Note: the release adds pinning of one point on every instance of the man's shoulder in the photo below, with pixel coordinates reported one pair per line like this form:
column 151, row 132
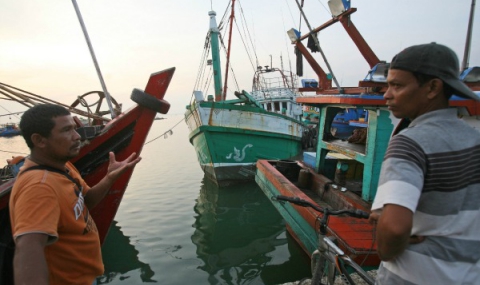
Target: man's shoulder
column 32, row 175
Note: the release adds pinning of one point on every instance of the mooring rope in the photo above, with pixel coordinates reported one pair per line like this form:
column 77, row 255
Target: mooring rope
column 167, row 133
column 7, row 151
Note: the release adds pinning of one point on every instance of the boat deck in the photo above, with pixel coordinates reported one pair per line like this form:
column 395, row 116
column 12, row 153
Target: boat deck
column 355, row 236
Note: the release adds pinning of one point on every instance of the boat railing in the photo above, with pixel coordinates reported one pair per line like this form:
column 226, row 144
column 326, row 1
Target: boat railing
column 274, row 93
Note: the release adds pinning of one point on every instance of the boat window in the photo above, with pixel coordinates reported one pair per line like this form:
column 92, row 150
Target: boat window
column 276, row 106
column 343, row 122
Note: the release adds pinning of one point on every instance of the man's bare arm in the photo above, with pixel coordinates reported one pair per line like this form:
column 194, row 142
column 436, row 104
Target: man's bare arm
column 30, row 266
column 394, row 227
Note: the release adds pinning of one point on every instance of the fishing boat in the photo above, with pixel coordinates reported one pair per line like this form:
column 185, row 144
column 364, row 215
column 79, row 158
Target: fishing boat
column 9, row 130
column 343, row 173
column 229, row 136
column 123, row 133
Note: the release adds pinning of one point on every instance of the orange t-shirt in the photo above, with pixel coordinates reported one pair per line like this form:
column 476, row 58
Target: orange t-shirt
column 48, row 202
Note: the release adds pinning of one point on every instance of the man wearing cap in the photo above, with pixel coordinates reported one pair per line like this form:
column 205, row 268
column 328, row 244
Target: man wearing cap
column 427, row 206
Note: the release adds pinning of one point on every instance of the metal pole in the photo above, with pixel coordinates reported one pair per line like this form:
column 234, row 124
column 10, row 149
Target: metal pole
column 92, row 53
column 318, row 45
column 466, row 53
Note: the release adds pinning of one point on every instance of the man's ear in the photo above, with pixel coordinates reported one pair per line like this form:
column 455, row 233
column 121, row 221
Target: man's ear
column 38, row 140
column 435, row 88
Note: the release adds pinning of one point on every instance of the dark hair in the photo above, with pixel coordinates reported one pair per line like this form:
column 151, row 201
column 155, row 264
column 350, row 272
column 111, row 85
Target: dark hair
column 424, row 78
column 39, row 120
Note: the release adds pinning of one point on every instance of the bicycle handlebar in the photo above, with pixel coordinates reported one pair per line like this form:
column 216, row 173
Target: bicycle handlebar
column 350, row 212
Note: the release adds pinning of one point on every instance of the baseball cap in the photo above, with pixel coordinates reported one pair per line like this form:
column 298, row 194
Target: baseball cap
column 435, row 60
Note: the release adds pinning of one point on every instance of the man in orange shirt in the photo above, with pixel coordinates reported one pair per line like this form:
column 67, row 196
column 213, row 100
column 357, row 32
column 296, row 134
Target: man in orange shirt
column 56, row 239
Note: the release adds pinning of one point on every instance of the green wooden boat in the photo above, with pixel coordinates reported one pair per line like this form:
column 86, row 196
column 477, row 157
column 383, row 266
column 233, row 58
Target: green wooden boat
column 229, row 136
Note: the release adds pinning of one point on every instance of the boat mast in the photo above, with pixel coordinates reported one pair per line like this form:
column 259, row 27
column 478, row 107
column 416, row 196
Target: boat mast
column 217, row 71
column 232, row 16
column 92, row 53
column 466, row 53
column 315, row 39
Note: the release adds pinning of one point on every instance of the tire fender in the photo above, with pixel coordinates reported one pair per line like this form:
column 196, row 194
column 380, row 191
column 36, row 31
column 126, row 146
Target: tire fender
column 145, row 100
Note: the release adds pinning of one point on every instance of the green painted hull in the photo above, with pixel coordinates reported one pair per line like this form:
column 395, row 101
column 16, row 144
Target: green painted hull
column 227, row 153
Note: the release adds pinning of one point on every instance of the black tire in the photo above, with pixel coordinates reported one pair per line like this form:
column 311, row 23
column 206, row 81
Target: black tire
column 145, row 100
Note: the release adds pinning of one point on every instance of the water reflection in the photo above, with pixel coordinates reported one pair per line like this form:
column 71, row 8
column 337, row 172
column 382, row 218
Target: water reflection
column 120, row 257
column 236, row 230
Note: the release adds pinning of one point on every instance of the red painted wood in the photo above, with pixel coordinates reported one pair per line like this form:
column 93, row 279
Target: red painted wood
column 354, row 236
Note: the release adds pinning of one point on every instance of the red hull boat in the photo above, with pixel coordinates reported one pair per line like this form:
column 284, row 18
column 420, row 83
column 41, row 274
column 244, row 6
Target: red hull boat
column 123, row 135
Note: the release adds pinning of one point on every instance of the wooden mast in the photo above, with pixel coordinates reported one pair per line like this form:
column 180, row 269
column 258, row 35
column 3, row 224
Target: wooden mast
column 232, row 16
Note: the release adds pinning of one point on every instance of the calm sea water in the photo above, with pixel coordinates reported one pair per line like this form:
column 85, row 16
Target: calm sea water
column 175, row 227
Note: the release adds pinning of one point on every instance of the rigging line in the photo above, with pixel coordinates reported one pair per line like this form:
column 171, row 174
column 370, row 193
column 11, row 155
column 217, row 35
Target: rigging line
column 7, row 88
column 206, row 77
column 15, row 113
column 202, row 62
column 234, row 77
column 209, row 76
column 231, row 64
column 286, row 45
column 247, row 34
column 165, row 134
column 11, row 113
column 7, row 151
column 200, row 73
column 294, row 79
column 314, row 36
column 246, row 49
column 290, row 10
column 208, row 82
column 324, row 7
column 222, row 44
column 220, row 25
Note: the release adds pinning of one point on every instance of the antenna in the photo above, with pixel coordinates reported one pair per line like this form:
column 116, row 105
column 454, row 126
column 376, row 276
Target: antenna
column 466, row 53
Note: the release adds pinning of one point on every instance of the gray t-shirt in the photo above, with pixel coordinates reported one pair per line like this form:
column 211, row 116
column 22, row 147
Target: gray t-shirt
column 433, row 169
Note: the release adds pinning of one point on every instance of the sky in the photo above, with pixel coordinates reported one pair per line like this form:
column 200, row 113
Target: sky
column 43, row 50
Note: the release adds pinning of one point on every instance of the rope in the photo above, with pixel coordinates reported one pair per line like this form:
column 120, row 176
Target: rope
column 246, row 47
column 325, row 7
column 202, row 66
column 222, row 44
column 165, row 134
column 7, row 151
column 248, row 36
column 290, row 10
column 15, row 114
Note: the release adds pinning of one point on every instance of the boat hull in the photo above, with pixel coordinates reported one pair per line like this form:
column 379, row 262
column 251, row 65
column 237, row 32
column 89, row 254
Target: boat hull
column 229, row 140
column 354, row 236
